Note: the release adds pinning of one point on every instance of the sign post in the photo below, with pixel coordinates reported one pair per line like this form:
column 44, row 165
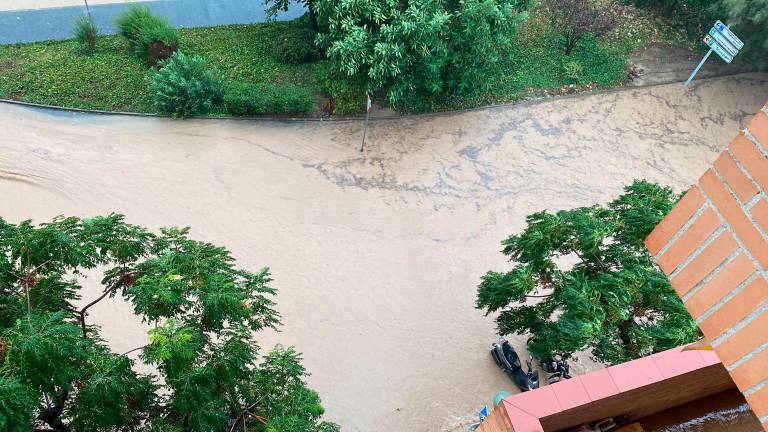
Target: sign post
column 723, row 42
column 701, row 63
column 365, row 128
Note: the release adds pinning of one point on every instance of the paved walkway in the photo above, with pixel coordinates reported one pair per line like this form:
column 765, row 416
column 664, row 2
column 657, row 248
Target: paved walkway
column 377, row 255
column 38, row 20
column 8, row 5
column 659, row 64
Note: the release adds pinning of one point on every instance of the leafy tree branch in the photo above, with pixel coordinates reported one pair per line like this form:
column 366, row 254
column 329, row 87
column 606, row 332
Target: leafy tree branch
column 599, row 289
column 58, row 374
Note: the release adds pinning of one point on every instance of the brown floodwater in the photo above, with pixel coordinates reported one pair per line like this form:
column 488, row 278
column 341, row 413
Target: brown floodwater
column 376, row 255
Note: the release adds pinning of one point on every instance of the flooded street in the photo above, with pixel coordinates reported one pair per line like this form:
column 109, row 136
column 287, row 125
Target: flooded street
column 376, row 255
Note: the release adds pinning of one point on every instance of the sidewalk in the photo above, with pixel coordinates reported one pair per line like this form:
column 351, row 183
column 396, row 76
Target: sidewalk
column 39, row 20
column 9, row 5
column 661, row 65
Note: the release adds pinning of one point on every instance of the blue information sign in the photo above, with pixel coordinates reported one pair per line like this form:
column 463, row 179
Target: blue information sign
column 722, row 41
column 483, row 413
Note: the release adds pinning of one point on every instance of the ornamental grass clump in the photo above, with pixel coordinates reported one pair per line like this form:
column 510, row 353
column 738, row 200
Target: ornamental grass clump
column 85, row 33
column 184, row 86
column 150, row 36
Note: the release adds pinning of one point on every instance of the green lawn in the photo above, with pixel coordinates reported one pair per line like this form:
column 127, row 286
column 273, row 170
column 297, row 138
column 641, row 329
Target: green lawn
column 56, row 73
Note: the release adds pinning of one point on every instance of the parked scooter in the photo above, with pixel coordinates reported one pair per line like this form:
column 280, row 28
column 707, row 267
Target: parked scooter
column 556, row 368
column 507, row 359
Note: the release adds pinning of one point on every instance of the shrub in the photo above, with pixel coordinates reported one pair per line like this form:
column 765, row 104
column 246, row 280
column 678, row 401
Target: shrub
column 184, row 86
column 296, row 46
column 420, row 52
column 85, row 33
column 573, row 71
column 244, row 99
column 150, row 36
column 573, row 19
column 348, row 93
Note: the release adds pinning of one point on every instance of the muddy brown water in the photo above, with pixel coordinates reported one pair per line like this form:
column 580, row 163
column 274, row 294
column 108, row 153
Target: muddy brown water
column 377, row 255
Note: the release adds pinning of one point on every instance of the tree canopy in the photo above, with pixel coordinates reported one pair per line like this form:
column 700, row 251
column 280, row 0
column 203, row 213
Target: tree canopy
column 274, row 7
column 582, row 279
column 419, row 51
column 58, row 374
column 749, row 19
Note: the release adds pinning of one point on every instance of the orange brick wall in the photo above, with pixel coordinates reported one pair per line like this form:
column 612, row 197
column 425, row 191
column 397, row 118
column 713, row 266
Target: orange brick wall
column 713, row 246
column 497, row 421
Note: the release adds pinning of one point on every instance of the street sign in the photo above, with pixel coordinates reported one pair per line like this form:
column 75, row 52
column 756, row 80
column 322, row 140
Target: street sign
column 732, row 38
column 723, row 42
column 483, row 413
column 718, row 49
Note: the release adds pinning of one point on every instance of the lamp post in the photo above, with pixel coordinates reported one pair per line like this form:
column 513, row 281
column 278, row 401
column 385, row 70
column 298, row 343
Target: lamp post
column 367, row 112
column 88, row 10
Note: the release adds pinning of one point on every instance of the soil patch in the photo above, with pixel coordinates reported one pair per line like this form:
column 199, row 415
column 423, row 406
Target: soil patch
column 16, row 96
column 6, row 65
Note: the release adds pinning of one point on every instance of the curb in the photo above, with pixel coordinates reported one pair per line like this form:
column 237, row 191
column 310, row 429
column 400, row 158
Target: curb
column 521, row 103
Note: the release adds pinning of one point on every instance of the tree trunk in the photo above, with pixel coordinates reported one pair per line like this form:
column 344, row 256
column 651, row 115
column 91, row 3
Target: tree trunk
column 570, row 43
column 312, row 16
column 626, row 339
column 668, row 9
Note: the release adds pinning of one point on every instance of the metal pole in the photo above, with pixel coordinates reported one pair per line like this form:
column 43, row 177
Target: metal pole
column 88, row 10
column 365, row 128
column 701, row 63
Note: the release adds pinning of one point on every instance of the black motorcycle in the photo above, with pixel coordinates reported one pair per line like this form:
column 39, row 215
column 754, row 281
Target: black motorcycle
column 507, row 359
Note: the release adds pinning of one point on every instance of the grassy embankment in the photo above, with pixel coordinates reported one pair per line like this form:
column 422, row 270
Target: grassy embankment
column 57, row 73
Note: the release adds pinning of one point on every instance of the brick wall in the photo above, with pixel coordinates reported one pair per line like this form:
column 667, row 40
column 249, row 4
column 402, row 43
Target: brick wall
column 497, row 421
column 713, row 246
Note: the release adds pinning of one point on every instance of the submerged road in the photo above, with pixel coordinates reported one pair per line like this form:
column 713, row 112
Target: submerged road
column 376, row 256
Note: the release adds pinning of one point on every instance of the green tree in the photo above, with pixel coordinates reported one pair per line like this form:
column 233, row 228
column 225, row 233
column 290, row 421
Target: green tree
column 582, row 279
column 58, row 374
column 277, row 6
column 749, row 19
column 419, row 51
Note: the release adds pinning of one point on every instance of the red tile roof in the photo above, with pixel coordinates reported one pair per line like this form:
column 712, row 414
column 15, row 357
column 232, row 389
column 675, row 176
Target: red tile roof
column 530, row 411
